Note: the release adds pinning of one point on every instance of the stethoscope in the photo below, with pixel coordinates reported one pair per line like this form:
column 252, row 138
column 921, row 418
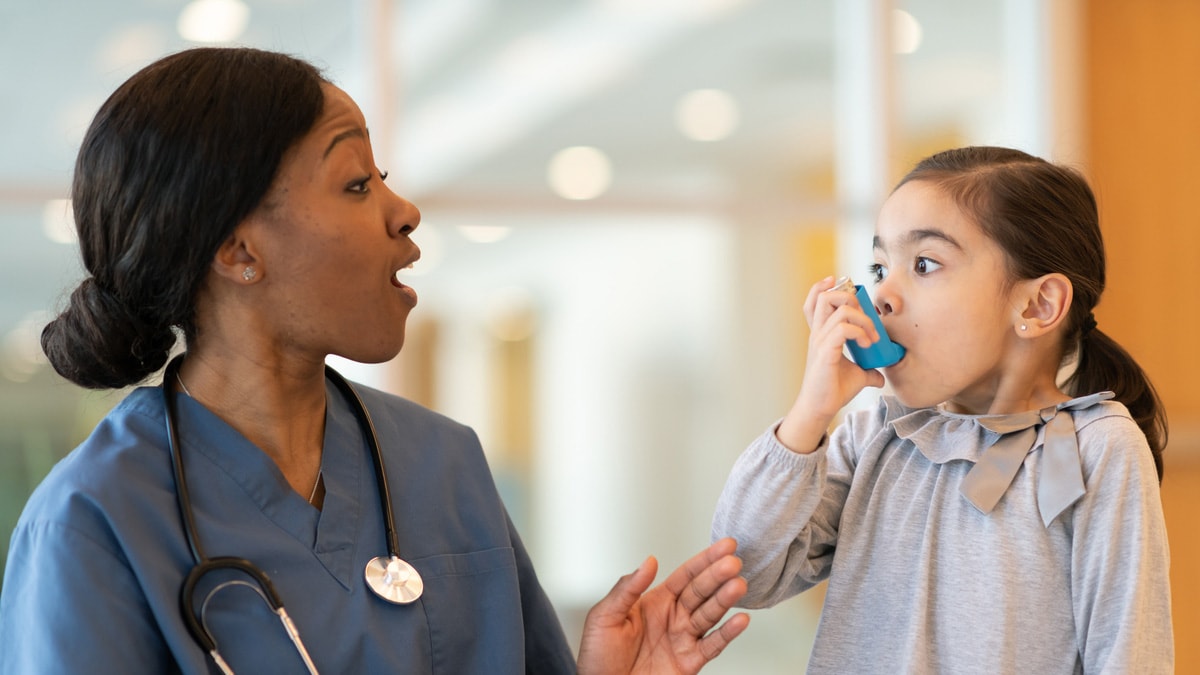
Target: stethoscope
column 391, row 578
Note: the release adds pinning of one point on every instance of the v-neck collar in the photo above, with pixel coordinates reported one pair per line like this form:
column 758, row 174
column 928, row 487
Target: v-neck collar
column 330, row 532
column 344, row 462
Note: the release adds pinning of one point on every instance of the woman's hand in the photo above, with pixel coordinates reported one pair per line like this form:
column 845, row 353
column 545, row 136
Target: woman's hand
column 830, row 378
column 667, row 629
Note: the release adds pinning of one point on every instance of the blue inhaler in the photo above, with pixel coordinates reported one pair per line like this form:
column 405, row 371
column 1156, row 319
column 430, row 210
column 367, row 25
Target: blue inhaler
column 881, row 354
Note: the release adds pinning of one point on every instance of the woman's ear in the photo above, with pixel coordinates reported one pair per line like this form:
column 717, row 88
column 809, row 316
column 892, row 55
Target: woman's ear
column 1046, row 302
column 237, row 260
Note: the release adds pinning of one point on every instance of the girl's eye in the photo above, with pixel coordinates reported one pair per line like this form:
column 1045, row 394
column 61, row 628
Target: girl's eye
column 383, row 174
column 926, row 265
column 878, row 272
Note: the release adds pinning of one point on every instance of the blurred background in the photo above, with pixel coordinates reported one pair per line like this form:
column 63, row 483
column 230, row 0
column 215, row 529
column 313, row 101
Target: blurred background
column 624, row 204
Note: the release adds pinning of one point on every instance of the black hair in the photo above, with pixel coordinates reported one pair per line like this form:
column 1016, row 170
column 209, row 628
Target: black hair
column 174, row 160
column 1044, row 216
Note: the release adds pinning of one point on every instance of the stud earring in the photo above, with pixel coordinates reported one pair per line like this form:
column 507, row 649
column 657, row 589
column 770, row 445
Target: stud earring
column 249, row 273
column 1023, row 326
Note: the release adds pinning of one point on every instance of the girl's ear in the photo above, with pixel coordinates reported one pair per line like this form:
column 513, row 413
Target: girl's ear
column 236, row 259
column 1046, row 301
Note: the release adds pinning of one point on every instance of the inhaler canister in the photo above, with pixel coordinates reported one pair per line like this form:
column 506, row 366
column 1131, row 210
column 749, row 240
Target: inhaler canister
column 880, row 354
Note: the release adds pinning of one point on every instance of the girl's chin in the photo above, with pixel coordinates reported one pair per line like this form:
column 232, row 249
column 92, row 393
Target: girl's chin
column 909, row 398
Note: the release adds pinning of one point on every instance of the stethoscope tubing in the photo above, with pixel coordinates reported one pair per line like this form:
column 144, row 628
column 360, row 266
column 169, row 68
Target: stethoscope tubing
column 204, row 564
column 368, row 429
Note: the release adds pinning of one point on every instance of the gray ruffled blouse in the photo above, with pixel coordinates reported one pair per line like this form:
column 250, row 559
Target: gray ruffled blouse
column 1026, row 543
column 998, row 446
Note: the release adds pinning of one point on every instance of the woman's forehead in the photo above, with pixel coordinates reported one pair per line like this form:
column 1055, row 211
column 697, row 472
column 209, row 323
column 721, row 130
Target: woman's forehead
column 340, row 120
column 338, row 110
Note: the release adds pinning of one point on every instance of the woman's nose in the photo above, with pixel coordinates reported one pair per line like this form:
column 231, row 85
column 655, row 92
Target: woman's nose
column 403, row 217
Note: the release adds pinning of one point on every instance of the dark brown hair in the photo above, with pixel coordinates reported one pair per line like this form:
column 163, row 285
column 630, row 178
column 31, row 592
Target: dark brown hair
column 1045, row 218
column 179, row 155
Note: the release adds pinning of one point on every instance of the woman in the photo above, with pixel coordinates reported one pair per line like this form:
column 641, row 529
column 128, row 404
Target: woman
column 232, row 194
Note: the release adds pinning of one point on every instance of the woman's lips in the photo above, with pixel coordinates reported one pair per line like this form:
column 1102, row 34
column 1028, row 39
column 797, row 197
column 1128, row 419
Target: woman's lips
column 407, row 291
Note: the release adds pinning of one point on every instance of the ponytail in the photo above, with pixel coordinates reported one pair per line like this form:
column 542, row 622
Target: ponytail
column 1104, row 365
column 1045, row 218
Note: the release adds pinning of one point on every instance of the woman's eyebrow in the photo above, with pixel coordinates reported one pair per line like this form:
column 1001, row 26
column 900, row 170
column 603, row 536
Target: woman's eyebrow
column 349, row 133
column 919, row 235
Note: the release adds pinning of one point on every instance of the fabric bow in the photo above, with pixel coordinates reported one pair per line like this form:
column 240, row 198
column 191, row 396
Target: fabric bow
column 1061, row 481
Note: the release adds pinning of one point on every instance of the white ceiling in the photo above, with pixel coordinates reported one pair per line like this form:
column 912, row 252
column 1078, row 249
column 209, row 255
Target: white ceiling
column 484, row 92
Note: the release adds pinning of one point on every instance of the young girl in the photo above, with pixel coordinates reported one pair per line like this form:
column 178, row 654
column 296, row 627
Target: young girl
column 985, row 517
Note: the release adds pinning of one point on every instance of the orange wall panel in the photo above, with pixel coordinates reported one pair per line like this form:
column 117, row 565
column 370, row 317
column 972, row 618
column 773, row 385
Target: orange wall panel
column 1143, row 103
column 1142, row 77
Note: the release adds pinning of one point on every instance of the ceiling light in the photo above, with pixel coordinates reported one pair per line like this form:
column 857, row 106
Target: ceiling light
column 213, row 20
column 484, row 234
column 707, row 115
column 906, row 32
column 58, row 224
column 535, row 78
column 579, row 172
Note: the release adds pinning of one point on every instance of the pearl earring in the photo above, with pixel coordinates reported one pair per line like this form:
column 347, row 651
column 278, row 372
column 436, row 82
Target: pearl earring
column 1023, row 326
column 249, row 273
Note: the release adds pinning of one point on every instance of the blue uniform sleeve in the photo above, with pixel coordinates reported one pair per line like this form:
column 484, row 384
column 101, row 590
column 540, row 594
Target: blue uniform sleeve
column 71, row 605
column 546, row 647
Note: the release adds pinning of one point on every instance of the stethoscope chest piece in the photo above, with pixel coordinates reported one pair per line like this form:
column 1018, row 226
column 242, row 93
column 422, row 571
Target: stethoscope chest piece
column 394, row 580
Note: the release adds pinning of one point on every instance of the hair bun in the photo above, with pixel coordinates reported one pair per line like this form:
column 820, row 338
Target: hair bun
column 99, row 342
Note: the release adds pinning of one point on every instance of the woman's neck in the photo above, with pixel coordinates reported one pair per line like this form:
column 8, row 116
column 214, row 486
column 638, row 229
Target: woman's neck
column 275, row 402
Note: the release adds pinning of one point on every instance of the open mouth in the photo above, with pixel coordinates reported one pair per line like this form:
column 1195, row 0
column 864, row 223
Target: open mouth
column 408, row 291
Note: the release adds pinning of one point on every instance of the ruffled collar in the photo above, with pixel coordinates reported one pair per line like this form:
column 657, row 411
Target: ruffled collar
column 997, row 445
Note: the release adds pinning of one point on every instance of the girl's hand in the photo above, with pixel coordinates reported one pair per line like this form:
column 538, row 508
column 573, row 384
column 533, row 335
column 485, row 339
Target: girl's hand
column 830, row 378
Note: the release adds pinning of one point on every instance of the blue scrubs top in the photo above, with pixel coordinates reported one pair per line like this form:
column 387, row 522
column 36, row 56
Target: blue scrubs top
column 99, row 555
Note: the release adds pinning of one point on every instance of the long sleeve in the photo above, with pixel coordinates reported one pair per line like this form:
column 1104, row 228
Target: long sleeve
column 783, row 508
column 1119, row 558
column 919, row 566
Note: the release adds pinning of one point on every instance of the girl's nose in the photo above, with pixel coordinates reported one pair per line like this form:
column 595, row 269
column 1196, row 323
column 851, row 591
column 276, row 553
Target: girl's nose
column 886, row 300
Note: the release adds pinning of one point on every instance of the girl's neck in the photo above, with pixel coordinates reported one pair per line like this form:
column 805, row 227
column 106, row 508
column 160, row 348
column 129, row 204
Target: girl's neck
column 1025, row 379
column 1007, row 401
